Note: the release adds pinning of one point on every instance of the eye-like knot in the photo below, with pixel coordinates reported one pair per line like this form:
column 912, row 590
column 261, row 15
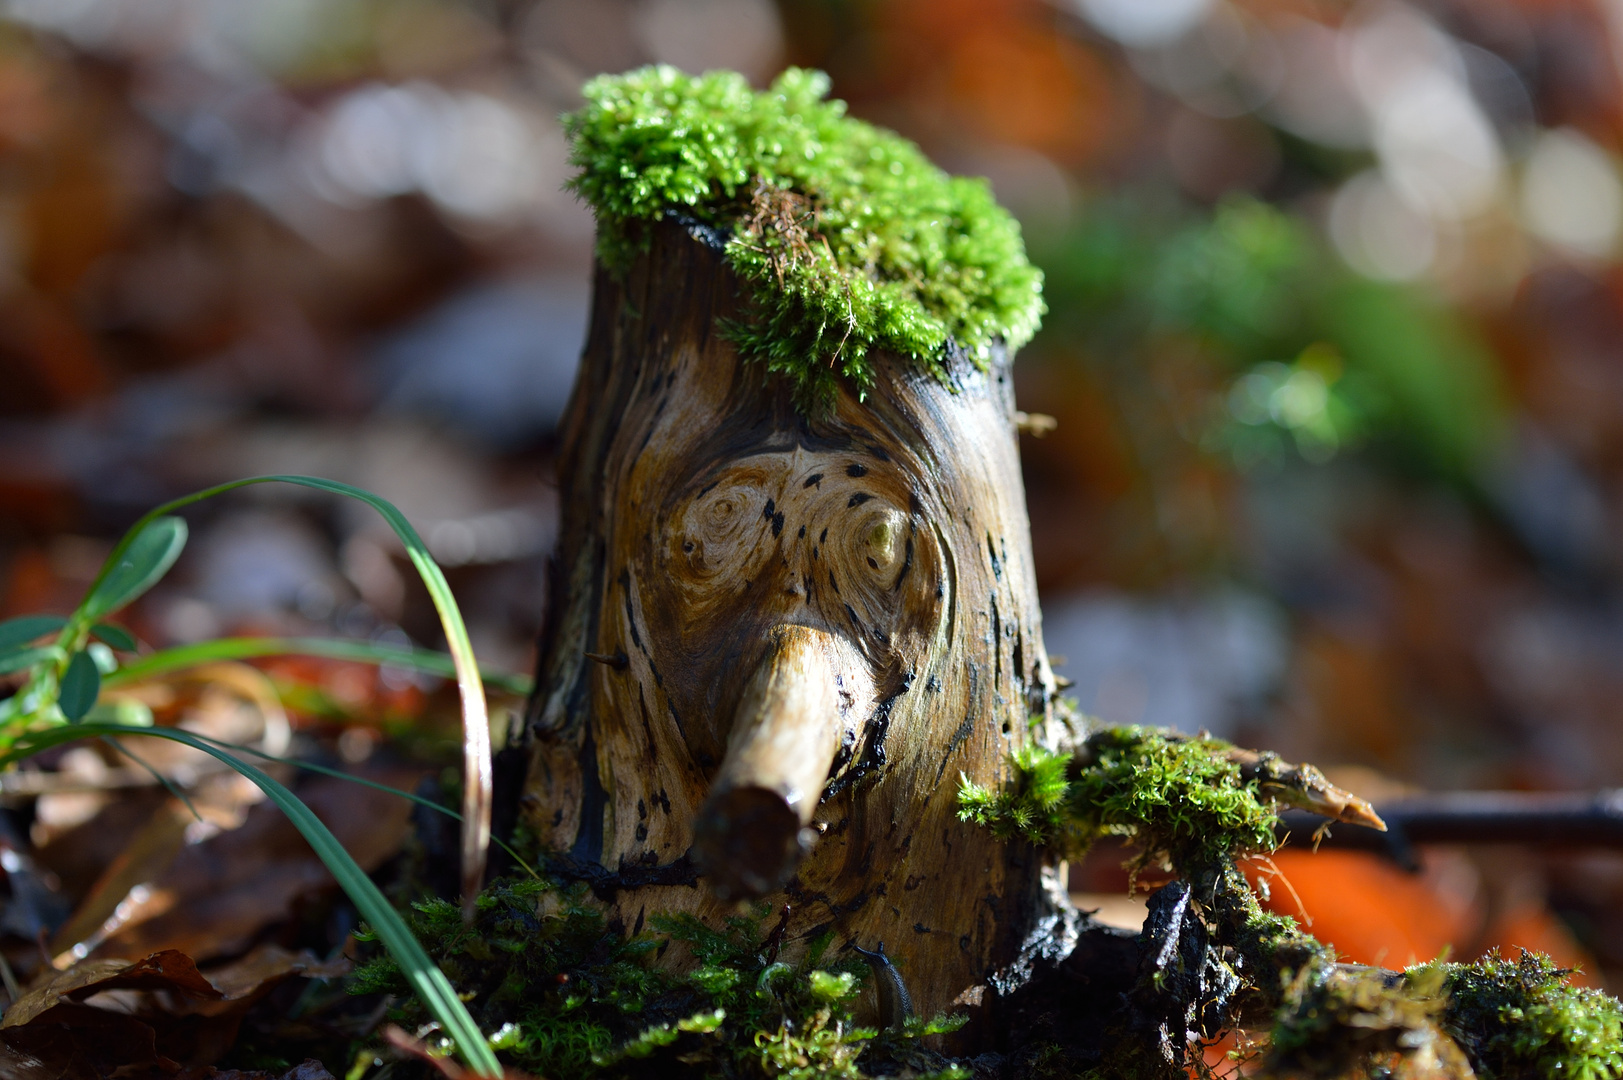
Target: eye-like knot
column 721, row 530
column 881, row 539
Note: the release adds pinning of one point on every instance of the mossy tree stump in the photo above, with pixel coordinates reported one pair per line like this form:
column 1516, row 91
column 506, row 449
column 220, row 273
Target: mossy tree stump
column 790, row 608
column 793, row 602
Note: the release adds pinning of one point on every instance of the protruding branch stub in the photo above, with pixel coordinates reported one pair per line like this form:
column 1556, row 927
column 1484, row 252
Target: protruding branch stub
column 753, row 829
column 1305, row 788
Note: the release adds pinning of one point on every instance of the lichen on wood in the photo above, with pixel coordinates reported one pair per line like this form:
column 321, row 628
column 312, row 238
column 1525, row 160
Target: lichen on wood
column 846, row 238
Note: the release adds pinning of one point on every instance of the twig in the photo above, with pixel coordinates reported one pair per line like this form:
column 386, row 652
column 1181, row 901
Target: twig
column 1545, row 819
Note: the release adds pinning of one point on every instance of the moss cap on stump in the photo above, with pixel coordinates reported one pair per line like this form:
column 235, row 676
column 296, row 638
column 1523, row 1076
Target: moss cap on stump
column 846, row 237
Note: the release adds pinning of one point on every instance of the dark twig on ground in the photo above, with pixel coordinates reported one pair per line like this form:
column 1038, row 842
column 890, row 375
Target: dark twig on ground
column 1544, row 819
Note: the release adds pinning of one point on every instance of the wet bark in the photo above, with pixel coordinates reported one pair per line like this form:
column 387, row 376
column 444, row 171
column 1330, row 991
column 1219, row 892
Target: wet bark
column 776, row 641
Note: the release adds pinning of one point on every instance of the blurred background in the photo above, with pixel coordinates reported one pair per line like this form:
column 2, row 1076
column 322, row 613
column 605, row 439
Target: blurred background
column 1334, row 343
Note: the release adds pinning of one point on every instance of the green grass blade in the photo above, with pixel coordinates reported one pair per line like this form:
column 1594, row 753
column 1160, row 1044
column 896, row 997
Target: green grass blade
column 159, row 778
column 477, row 780
column 250, row 648
column 426, row 979
column 339, row 774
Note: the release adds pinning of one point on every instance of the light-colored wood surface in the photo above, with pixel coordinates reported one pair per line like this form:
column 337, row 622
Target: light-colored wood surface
column 707, row 523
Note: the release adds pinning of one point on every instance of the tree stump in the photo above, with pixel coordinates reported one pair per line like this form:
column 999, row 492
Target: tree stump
column 776, row 639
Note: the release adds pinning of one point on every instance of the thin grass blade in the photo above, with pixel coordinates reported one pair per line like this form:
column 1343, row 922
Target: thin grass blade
column 477, row 776
column 427, row 661
column 426, row 979
column 339, row 774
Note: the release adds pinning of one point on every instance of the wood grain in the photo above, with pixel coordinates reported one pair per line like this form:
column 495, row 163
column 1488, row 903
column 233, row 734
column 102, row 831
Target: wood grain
column 705, row 524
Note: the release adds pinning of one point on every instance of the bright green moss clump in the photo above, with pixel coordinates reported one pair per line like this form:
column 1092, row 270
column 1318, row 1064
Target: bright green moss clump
column 1180, row 799
column 1521, row 1019
column 847, row 238
column 1034, row 805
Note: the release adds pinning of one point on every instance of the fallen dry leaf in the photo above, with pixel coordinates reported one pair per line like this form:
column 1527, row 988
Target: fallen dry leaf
column 213, row 898
column 115, row 1018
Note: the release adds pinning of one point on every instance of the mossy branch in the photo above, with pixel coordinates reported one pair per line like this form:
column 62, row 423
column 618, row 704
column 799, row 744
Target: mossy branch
column 1213, row 959
column 1188, row 801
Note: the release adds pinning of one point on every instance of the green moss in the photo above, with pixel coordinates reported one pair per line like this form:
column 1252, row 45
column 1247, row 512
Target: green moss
column 1521, row 1019
column 1034, row 805
column 1179, row 798
column 574, row 996
column 846, row 237
column 564, row 993
column 1361, row 1022
column 1494, row 1019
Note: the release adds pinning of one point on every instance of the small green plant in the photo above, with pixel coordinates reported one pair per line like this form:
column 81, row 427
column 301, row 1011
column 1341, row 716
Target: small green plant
column 846, row 237
column 61, row 701
column 581, row 997
column 1033, row 805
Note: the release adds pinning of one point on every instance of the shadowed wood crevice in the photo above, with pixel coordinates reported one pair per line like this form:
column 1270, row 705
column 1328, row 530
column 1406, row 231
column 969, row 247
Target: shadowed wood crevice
column 822, row 621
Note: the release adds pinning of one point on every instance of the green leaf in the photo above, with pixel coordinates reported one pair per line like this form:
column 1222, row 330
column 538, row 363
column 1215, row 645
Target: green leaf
column 116, row 636
column 425, row 977
column 20, row 631
column 477, row 782
column 81, row 685
column 135, row 566
column 27, row 658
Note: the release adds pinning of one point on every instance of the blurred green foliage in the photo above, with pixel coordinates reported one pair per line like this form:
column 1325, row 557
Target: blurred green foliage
column 1304, row 356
